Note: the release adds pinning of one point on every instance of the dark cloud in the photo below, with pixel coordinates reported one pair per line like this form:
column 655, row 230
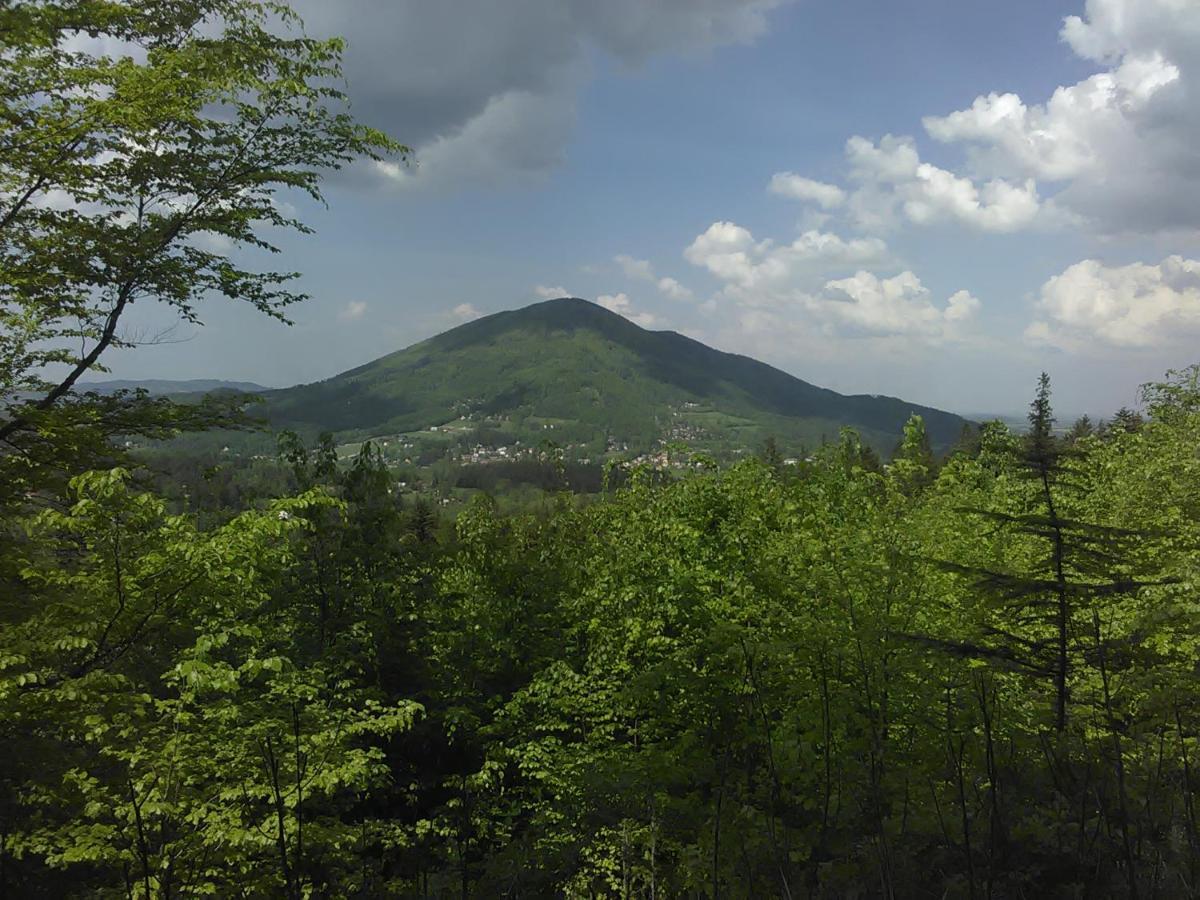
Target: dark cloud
column 483, row 90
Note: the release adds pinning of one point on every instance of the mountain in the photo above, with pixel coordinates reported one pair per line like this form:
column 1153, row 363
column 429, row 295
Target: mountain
column 169, row 386
column 572, row 371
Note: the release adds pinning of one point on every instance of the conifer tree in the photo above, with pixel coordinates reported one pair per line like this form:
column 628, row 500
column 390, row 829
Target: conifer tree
column 1038, row 613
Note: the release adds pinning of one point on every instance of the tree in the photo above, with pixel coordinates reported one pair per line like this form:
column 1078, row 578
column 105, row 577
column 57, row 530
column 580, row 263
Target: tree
column 1039, row 601
column 771, row 454
column 145, row 148
column 130, row 175
column 913, row 463
column 185, row 743
column 1040, row 598
column 1082, row 428
column 1124, row 421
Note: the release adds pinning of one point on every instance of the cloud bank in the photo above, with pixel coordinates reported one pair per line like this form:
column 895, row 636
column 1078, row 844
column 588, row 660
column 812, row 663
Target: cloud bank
column 487, row 92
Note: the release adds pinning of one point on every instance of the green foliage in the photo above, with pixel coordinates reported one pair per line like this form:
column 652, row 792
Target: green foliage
column 124, row 173
column 829, row 680
column 199, row 750
column 835, row 679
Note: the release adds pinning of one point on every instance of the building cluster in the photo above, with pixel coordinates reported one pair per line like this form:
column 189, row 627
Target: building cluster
column 481, row 455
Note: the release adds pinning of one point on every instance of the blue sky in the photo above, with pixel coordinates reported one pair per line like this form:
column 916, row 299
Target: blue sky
column 934, row 200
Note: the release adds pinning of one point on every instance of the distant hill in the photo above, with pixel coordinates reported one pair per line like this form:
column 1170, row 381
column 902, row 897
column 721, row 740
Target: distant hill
column 572, row 371
column 169, row 386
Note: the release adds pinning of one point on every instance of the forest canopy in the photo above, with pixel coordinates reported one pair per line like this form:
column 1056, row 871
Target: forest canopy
column 922, row 680
column 971, row 676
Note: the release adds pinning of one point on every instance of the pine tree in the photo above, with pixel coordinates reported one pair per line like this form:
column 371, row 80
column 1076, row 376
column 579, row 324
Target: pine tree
column 1082, row 428
column 1039, row 614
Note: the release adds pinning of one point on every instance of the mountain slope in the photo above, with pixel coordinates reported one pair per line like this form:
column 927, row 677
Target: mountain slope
column 572, row 366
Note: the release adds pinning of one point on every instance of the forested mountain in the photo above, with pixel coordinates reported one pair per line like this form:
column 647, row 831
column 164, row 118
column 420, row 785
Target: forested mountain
column 591, row 373
column 290, row 674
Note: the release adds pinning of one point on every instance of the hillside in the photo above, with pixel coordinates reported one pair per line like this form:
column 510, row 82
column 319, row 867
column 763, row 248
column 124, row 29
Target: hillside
column 167, row 386
column 572, row 371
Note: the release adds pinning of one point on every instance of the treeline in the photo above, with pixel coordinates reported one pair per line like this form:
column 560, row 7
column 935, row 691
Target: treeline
column 836, row 679
column 832, row 681
column 546, row 474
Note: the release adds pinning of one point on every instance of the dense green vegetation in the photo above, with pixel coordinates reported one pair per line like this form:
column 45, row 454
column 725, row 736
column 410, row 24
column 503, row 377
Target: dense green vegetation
column 574, row 371
column 970, row 675
column 827, row 681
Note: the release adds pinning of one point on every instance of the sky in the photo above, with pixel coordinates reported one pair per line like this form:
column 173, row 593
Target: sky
column 935, row 200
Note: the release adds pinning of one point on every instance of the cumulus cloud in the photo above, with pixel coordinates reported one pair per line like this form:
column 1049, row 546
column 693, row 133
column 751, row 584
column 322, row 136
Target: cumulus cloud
column 485, row 91
column 961, row 307
column 465, row 312
column 731, row 253
column 1115, row 152
column 894, row 184
column 623, row 306
column 1134, row 306
column 781, row 290
column 102, row 46
column 900, row 305
column 635, row 268
column 862, row 316
column 789, row 184
column 1119, row 145
column 547, row 292
column 212, row 242
column 353, row 311
column 673, row 289
column 642, row 270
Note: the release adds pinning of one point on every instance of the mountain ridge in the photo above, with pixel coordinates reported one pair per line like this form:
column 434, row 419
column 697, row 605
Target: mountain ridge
column 585, row 370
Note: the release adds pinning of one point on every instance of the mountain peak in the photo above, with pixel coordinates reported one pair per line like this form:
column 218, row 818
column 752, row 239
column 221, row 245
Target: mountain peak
column 565, row 308
column 591, row 375
column 560, row 314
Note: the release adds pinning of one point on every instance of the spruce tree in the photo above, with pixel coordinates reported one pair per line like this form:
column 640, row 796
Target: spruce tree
column 1039, row 615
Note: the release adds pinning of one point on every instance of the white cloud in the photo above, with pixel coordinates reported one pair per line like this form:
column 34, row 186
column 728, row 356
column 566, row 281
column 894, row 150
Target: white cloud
column 1114, row 152
column 938, row 195
column 673, row 289
column 623, row 306
column 353, row 311
column 1112, row 28
column 894, row 160
column 465, row 312
column 789, row 184
column 1072, row 135
column 731, row 253
column 551, row 293
column 642, row 270
column 894, row 183
column 102, row 46
column 863, row 320
column 211, row 242
column 900, row 305
column 782, row 291
column 635, row 268
column 1121, row 143
column 961, row 307
column 1133, row 306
